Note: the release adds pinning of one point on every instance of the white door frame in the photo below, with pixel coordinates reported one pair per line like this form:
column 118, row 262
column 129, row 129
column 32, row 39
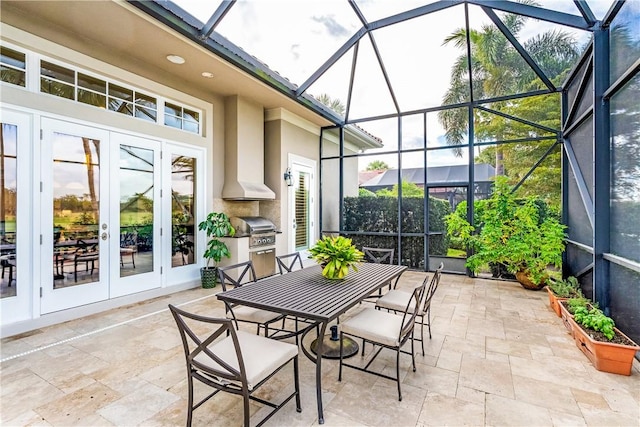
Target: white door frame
column 19, row 307
column 298, row 163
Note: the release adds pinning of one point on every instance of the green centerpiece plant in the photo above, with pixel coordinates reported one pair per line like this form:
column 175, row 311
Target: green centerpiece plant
column 336, row 255
column 516, row 233
column 216, row 225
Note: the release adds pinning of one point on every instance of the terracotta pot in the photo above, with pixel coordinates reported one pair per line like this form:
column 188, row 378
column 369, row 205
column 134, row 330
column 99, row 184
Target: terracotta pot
column 523, row 278
column 606, row 356
column 554, row 302
column 567, row 318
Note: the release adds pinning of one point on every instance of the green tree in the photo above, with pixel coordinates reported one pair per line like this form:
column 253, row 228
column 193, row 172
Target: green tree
column 498, row 69
column 409, row 189
column 335, row 104
column 377, row 165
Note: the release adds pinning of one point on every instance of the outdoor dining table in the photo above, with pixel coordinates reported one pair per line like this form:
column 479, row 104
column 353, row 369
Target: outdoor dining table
column 308, row 295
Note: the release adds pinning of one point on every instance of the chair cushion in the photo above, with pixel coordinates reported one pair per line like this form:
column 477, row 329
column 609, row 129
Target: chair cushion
column 374, row 325
column 254, row 315
column 395, row 300
column 261, row 356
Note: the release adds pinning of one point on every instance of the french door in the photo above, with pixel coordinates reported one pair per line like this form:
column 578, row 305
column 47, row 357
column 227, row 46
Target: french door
column 100, row 206
column 301, row 203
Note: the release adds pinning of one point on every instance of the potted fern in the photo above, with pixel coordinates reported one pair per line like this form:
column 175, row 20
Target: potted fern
column 336, row 255
column 216, row 225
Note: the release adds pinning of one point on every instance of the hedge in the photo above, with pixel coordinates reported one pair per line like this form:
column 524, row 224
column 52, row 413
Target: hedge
column 380, row 215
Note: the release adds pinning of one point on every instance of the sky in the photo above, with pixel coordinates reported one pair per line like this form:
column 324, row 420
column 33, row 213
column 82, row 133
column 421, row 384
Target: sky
column 296, row 37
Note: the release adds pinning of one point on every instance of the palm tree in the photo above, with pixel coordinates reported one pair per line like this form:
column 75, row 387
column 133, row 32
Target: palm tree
column 377, row 165
column 498, row 69
column 335, row 104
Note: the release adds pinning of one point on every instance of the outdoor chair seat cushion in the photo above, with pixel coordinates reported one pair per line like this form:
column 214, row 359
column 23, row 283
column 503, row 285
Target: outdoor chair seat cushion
column 254, row 315
column 374, row 325
column 397, row 301
column 262, row 356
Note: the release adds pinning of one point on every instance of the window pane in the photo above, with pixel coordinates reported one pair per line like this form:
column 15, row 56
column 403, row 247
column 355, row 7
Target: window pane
column 145, row 100
column 8, row 204
column 56, row 88
column 191, row 115
column 146, row 113
column 92, row 98
column 172, row 109
column 11, row 57
column 183, row 189
column 92, row 83
column 57, row 72
column 13, row 76
column 120, row 106
column 191, row 126
column 120, row 92
column 172, row 121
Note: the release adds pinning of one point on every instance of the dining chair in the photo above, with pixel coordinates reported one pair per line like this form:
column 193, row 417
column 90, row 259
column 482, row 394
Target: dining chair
column 241, row 274
column 379, row 256
column 395, row 300
column 386, row 330
column 230, row 360
column 287, row 263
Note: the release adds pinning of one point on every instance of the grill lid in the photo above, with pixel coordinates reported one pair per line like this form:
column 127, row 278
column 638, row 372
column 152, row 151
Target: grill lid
column 248, row 225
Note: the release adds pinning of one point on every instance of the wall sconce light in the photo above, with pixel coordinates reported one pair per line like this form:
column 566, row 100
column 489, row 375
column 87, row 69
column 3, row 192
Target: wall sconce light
column 288, row 178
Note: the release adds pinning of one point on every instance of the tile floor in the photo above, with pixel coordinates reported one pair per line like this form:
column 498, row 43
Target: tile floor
column 498, row 356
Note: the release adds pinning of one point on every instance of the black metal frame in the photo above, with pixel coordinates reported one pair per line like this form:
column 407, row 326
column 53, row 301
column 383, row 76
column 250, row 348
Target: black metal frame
column 228, row 379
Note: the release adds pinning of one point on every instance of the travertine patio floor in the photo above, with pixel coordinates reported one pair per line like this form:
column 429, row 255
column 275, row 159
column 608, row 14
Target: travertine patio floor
column 498, row 356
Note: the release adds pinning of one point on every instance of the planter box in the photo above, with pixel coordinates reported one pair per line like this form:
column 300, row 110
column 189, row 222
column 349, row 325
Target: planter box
column 567, row 319
column 605, row 356
column 554, row 302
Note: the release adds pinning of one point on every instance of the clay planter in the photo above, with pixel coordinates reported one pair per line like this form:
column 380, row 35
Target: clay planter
column 523, row 279
column 606, row 356
column 567, row 318
column 554, row 302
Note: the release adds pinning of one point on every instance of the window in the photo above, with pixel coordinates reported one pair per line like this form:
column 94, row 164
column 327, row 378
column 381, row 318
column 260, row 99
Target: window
column 181, row 118
column 13, row 66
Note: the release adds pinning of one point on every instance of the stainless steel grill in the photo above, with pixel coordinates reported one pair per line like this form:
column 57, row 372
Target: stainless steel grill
column 262, row 240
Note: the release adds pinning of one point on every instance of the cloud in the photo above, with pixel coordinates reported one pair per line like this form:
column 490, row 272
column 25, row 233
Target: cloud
column 332, row 26
column 295, row 51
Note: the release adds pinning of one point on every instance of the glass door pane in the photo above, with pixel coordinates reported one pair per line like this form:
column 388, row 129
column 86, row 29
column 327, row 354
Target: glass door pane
column 136, row 210
column 8, row 208
column 183, row 196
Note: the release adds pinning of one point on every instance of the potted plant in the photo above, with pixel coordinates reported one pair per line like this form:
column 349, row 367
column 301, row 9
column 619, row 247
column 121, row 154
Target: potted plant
column 336, row 255
column 216, row 225
column 519, row 234
column 559, row 290
column 595, row 334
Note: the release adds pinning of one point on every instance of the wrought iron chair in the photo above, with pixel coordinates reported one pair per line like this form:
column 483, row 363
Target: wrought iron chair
column 379, row 256
column 237, row 275
column 395, row 300
column 233, row 361
column 287, row 263
column 385, row 329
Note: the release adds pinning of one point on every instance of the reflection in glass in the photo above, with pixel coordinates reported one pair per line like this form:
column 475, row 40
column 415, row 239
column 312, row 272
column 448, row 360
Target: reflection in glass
column 302, row 200
column 76, row 203
column 8, row 199
column 183, row 190
column 136, row 210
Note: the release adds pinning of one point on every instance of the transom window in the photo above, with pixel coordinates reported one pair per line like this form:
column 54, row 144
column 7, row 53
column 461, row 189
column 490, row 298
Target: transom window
column 12, row 66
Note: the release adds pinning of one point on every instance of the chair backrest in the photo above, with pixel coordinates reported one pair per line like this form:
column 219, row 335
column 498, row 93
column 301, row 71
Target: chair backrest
column 433, row 285
column 378, row 255
column 411, row 310
column 287, row 263
column 197, row 338
column 234, row 275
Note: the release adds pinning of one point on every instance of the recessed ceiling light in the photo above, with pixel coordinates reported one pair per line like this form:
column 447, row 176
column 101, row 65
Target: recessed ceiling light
column 176, row 59
column 207, row 75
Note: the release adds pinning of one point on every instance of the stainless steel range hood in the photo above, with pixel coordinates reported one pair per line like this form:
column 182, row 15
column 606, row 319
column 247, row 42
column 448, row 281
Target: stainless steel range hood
column 244, row 151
